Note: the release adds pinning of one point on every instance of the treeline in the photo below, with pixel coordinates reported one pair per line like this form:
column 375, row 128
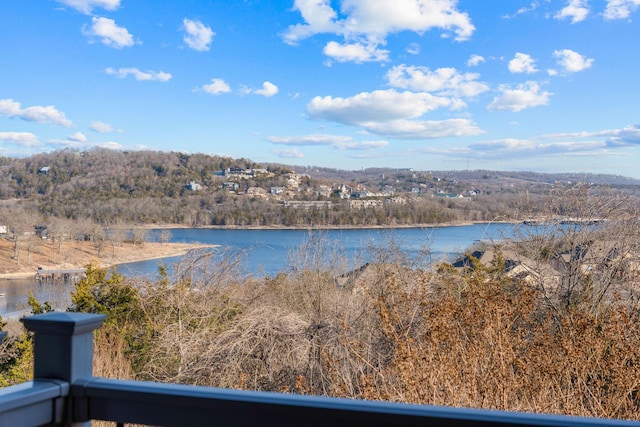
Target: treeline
column 111, row 188
column 147, row 187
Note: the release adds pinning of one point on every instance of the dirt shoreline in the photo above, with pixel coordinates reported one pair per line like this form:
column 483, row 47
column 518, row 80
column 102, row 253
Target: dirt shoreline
column 76, row 256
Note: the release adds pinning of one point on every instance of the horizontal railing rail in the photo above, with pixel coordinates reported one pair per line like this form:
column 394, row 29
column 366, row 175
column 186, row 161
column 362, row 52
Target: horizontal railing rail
column 179, row 405
column 33, row 403
column 66, row 394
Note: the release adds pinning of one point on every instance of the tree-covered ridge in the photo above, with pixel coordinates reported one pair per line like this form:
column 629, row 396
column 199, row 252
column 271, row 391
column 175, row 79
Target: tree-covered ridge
column 108, row 173
column 110, row 187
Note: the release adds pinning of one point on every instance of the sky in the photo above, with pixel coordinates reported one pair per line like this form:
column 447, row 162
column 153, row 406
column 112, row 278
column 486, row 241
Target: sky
column 522, row 85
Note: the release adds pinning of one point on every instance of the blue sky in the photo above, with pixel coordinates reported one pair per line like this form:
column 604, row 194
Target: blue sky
column 544, row 85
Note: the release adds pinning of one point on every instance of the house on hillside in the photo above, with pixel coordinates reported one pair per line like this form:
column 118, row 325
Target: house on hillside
column 275, row 191
column 256, row 192
column 230, row 186
column 194, row 186
column 516, row 266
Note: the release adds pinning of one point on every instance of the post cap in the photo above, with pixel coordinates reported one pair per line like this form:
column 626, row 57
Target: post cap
column 63, row 323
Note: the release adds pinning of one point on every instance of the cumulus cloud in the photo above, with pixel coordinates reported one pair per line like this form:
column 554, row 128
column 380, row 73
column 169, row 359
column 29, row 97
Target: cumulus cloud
column 77, row 137
column 290, row 153
column 380, row 105
column 576, row 10
column 443, row 81
column 522, row 63
column 23, row 139
column 109, row 33
column 369, row 23
column 392, row 114
column 197, row 35
column 572, row 61
column 38, row 114
column 268, row 90
column 101, row 127
column 216, row 87
column 355, row 52
column 424, row 129
column 122, row 73
column 335, row 141
column 620, row 9
column 475, row 60
column 87, row 6
column 526, row 95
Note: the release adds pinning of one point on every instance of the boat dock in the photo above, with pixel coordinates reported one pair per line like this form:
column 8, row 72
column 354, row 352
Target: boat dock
column 59, row 275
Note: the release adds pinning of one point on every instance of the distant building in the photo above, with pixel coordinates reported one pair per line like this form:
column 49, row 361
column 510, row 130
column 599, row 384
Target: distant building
column 303, row 204
column 277, row 190
column 256, row 192
column 230, row 185
column 44, row 170
column 194, row 186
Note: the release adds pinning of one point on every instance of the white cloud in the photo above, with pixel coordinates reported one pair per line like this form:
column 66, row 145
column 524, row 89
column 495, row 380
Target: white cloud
column 576, row 10
column 23, row 139
column 625, row 137
column 413, row 49
column 369, row 22
column 629, row 135
column 424, row 129
column 290, row 153
column 523, row 10
column 77, row 137
column 268, row 89
column 72, row 143
column 527, row 148
column 198, row 36
column 475, row 60
column 522, row 63
column 101, row 127
column 38, row 114
column 443, row 81
column 335, row 141
column 108, row 32
column 620, row 9
column 526, row 95
column 380, row 105
column 571, row 61
column 122, row 73
column 392, row 114
column 87, row 6
column 355, row 52
column 216, row 87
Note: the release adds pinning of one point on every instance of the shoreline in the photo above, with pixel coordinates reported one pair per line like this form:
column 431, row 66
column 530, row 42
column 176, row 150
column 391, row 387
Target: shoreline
column 155, row 250
column 149, row 252
column 325, row 227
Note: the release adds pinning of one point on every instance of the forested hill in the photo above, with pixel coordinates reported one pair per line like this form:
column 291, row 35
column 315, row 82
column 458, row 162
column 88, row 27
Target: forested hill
column 150, row 187
column 108, row 173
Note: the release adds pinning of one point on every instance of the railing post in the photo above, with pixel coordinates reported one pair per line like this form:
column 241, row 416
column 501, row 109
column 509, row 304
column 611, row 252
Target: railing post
column 63, row 348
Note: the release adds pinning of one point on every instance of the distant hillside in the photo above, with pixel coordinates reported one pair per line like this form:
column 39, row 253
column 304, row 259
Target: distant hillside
column 150, row 187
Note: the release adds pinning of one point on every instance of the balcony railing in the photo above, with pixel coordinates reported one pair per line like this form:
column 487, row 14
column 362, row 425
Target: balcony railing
column 65, row 393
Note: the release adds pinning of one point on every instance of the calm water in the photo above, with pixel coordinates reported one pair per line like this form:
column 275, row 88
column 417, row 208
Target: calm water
column 268, row 252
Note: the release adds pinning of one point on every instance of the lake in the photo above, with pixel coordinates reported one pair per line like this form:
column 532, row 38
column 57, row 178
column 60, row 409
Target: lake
column 268, row 252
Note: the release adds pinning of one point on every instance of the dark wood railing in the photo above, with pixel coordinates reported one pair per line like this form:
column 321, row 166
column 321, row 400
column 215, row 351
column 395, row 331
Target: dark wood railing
column 65, row 393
